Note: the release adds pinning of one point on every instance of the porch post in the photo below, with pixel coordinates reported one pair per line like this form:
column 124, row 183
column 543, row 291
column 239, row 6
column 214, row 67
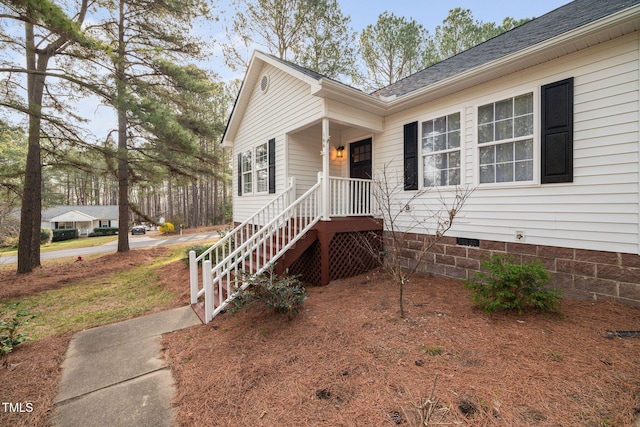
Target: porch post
column 326, row 152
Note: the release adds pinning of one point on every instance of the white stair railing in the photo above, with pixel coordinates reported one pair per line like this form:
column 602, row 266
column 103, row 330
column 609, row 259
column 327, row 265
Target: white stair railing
column 262, row 248
column 350, row 197
column 226, row 245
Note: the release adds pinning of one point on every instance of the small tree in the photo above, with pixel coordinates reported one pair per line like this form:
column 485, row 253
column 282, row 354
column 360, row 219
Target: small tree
column 402, row 221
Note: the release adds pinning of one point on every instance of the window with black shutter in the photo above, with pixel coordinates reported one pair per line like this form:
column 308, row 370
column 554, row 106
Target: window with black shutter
column 240, row 174
column 557, row 132
column 411, row 156
column 272, row 165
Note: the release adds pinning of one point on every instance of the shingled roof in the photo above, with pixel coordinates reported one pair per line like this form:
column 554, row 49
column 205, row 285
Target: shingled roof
column 96, row 212
column 566, row 18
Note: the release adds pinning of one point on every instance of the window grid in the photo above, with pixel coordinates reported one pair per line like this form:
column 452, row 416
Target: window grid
column 505, row 131
column 247, row 173
column 262, row 168
column 441, row 151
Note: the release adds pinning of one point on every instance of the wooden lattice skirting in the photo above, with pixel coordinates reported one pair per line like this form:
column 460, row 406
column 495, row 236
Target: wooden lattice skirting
column 349, row 256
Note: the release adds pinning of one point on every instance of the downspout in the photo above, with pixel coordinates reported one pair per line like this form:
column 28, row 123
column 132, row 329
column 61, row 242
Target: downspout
column 326, row 150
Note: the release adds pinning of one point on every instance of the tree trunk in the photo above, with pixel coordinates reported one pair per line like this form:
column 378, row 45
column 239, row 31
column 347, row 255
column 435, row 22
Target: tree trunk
column 123, row 161
column 30, row 212
column 195, row 205
column 169, row 200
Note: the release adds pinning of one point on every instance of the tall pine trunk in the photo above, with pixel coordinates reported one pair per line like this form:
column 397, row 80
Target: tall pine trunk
column 30, row 213
column 123, row 158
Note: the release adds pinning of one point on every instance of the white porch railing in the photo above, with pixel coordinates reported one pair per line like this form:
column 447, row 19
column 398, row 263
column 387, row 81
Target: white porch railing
column 261, row 249
column 260, row 240
column 226, row 245
column 350, row 197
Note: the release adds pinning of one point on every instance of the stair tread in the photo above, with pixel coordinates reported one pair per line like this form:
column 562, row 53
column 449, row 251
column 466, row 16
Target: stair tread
column 198, row 308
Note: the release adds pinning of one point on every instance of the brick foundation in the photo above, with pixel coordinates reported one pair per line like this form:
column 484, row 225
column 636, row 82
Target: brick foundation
column 579, row 273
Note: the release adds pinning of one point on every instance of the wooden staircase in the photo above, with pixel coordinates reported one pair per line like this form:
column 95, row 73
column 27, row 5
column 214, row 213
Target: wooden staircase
column 287, row 234
column 274, row 236
column 263, row 257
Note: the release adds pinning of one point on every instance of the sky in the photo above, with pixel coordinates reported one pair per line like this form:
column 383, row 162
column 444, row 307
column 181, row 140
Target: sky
column 428, row 13
column 431, row 13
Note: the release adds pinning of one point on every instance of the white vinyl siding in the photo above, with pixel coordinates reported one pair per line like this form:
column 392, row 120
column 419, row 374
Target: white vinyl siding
column 305, row 160
column 600, row 209
column 272, row 114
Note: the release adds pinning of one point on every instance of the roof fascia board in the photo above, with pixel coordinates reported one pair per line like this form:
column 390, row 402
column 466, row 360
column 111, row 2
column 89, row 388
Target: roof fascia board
column 343, row 93
column 73, row 215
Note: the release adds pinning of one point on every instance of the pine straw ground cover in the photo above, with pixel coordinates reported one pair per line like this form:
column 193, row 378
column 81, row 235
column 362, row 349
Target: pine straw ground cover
column 347, row 359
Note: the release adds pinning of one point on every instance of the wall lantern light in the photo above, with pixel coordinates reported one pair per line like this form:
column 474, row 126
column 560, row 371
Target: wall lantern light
column 340, row 151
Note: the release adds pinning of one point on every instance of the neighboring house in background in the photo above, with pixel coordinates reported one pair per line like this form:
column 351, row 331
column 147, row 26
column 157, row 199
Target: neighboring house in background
column 542, row 122
column 83, row 218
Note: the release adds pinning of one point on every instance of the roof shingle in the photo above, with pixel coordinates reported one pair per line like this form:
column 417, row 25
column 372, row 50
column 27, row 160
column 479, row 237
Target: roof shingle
column 559, row 21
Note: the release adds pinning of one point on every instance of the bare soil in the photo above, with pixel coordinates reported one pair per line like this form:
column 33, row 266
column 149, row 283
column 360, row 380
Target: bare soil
column 348, row 359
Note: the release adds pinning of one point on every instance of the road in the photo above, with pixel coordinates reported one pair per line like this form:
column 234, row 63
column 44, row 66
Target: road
column 135, row 242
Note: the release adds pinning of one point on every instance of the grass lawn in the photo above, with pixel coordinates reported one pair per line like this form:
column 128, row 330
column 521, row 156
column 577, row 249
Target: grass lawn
column 96, row 300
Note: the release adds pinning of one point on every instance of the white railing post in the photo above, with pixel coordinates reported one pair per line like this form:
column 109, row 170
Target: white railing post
column 291, row 197
column 208, row 291
column 326, row 150
column 193, row 276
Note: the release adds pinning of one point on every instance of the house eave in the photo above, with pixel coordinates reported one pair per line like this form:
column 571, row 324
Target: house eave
column 333, row 90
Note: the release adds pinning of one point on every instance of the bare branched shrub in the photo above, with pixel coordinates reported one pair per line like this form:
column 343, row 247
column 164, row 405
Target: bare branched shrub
column 403, row 220
column 429, row 411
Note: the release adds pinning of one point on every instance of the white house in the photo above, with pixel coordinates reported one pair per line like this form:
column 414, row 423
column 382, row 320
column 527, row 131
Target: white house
column 83, row 218
column 541, row 122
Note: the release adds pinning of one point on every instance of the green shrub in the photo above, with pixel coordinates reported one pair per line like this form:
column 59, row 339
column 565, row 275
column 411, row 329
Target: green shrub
column 199, row 249
column 105, row 231
column 10, row 242
column 513, row 287
column 220, row 250
column 45, row 236
column 64, row 234
column 9, row 325
column 285, row 294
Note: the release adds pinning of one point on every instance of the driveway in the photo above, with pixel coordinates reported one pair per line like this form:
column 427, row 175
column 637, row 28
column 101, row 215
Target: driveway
column 135, row 242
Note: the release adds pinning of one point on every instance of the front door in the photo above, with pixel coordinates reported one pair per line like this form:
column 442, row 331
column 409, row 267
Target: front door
column 360, row 159
column 360, row 167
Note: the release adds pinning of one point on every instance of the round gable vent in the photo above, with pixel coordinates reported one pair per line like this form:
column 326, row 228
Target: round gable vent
column 264, row 83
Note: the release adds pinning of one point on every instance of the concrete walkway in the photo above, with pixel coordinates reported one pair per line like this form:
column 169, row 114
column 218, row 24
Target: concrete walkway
column 113, row 375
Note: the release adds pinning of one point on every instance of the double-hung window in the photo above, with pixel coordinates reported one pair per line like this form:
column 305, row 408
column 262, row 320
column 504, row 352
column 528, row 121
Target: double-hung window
column 505, row 140
column 257, row 169
column 262, row 168
column 247, row 172
column 441, row 151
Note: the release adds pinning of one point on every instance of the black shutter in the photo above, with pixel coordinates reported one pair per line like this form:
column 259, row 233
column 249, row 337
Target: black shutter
column 240, row 174
column 411, row 156
column 272, row 165
column 557, row 132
